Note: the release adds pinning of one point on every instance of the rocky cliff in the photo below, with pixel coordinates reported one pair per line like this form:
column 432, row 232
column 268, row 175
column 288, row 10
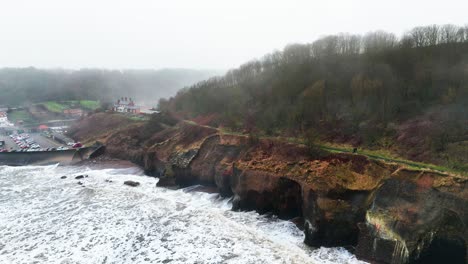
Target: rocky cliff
column 386, row 213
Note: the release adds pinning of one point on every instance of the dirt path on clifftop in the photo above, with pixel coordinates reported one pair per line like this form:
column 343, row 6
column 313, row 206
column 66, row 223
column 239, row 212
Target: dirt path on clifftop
column 363, row 152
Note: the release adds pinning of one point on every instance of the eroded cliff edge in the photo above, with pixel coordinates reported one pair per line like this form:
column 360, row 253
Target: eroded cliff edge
column 387, row 213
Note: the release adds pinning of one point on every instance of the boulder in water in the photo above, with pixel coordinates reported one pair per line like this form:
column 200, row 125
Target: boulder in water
column 132, row 183
column 63, row 177
column 79, row 177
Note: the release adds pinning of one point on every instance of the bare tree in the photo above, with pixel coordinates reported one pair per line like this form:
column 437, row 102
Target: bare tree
column 378, row 41
column 431, row 34
column 325, row 46
column 448, row 33
column 348, row 44
column 407, row 41
column 297, row 53
column 465, row 29
column 418, row 36
column 462, row 34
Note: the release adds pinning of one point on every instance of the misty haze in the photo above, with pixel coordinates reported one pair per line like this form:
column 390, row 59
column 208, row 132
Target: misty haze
column 233, row 132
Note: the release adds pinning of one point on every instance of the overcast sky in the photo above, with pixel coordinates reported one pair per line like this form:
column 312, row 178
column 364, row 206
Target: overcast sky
column 203, row 34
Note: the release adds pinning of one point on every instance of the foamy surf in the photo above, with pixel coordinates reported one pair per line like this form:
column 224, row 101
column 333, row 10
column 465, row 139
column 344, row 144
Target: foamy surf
column 45, row 219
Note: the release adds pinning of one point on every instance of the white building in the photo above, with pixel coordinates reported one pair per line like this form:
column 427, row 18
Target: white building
column 3, row 117
column 4, row 120
column 126, row 105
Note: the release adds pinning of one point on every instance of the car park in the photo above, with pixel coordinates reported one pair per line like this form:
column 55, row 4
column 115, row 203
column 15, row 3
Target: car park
column 25, row 142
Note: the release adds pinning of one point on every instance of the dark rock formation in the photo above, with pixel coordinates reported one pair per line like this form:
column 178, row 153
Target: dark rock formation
column 416, row 217
column 389, row 214
column 280, row 196
column 132, row 183
column 63, row 177
column 79, row 177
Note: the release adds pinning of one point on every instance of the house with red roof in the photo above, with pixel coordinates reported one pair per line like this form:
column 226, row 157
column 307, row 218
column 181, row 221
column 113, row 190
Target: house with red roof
column 126, row 105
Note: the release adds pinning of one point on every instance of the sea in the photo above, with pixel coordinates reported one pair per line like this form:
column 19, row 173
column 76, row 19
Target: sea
column 98, row 219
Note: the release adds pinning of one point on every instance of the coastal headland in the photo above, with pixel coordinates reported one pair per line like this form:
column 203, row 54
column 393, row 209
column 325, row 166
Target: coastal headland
column 383, row 212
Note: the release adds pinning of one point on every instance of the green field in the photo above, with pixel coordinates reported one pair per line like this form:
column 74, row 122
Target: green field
column 55, row 107
column 91, row 105
column 59, row 107
column 17, row 115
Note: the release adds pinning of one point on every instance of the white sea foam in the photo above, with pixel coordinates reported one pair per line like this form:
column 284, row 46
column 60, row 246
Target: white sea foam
column 45, row 219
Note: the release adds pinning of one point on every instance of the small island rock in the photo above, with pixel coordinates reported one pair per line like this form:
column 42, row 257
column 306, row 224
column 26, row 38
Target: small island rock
column 132, row 183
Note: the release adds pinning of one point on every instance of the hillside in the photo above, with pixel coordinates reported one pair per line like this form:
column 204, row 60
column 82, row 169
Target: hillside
column 407, row 97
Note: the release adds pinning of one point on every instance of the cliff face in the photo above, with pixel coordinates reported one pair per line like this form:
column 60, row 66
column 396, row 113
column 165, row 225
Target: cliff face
column 389, row 214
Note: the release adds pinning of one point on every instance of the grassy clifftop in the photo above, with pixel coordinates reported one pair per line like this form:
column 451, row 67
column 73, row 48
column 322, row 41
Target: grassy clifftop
column 60, row 106
column 119, row 130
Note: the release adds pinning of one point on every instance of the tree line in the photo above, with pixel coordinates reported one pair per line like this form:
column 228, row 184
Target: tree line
column 344, row 86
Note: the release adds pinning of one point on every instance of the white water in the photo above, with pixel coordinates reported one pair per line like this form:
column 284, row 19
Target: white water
column 45, row 219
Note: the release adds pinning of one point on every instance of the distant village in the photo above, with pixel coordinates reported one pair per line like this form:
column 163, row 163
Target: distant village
column 35, row 129
column 125, row 105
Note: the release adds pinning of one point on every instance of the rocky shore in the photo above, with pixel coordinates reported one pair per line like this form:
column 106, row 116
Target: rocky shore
column 386, row 213
column 106, row 162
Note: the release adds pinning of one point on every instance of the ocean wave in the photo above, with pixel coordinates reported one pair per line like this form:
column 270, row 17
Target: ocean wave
column 46, row 219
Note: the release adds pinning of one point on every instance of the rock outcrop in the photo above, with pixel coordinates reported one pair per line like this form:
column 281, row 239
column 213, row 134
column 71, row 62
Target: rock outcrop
column 416, row 217
column 387, row 213
column 131, row 183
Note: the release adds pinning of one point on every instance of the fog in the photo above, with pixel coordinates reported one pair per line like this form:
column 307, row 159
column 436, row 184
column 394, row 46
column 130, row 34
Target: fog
column 24, row 86
column 204, row 34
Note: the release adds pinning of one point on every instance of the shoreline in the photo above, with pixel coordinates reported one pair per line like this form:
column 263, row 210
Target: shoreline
column 345, row 200
column 107, row 162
